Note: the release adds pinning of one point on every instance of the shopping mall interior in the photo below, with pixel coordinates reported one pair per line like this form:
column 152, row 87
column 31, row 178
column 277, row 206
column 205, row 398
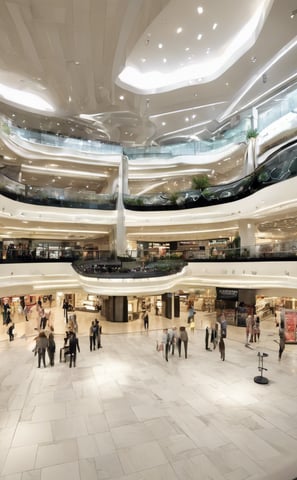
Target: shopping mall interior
column 148, row 163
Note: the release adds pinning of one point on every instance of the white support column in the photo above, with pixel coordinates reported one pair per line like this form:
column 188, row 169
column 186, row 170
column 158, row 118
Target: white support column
column 247, row 233
column 121, row 244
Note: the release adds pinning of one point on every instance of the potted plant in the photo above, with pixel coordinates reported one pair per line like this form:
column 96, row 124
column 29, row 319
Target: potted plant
column 173, row 197
column 252, row 133
column 200, row 182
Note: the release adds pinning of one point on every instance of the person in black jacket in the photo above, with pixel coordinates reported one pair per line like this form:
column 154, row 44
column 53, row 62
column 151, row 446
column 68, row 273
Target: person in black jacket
column 73, row 347
column 51, row 347
column 10, row 332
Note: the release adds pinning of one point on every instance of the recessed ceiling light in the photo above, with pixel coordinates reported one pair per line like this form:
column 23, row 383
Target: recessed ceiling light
column 163, row 124
column 187, row 49
column 179, row 30
column 253, row 59
column 214, row 26
column 164, row 60
column 160, row 45
column 121, row 97
column 143, row 60
column 207, row 51
column 199, row 36
column 200, row 10
column 187, row 119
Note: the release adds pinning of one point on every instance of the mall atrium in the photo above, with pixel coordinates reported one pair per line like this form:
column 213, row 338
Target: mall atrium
column 148, row 160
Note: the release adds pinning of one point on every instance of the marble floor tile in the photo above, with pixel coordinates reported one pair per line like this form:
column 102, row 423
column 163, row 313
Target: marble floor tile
column 109, row 466
column 69, row 428
column 125, row 414
column 54, row 454
column 87, row 447
column 32, row 433
column 120, row 416
column 130, row 435
column 49, row 411
column 96, row 423
column 62, row 471
column 141, row 457
column 19, row 460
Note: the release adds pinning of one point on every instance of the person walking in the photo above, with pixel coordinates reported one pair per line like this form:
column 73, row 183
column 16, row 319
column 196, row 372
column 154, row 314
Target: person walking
column 146, row 320
column 248, row 326
column 191, row 313
column 172, row 339
column 51, row 348
column 257, row 329
column 43, row 319
column 98, row 333
column 10, row 332
column 222, row 348
column 41, row 347
column 282, row 339
column 73, row 348
column 65, row 308
column 164, row 345
column 214, row 335
column 252, row 328
column 183, row 339
column 223, row 326
column 207, row 339
column 92, row 336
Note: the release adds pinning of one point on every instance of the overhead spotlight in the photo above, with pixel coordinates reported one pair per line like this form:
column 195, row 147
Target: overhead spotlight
column 293, row 13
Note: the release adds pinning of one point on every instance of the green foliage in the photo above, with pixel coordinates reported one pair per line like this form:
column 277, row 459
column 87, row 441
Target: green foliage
column 252, row 133
column 200, row 182
column 134, row 201
column 173, row 197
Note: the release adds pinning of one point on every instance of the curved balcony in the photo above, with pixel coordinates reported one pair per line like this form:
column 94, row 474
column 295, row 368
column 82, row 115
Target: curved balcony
column 56, row 197
column 128, row 269
column 279, row 166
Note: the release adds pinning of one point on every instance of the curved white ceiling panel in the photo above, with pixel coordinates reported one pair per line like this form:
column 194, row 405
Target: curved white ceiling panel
column 166, row 56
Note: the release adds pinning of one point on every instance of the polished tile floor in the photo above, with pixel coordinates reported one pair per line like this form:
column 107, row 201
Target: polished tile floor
column 125, row 413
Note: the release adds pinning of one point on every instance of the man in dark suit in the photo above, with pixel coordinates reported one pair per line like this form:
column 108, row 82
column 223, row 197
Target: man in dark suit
column 73, row 347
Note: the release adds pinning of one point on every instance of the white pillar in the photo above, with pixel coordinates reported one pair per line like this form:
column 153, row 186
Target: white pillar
column 247, row 233
column 121, row 242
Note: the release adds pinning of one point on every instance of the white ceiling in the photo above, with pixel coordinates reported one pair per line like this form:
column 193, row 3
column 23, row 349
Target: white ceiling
column 72, row 52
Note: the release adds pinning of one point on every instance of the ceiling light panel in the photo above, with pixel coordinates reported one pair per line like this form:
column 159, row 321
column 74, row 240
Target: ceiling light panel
column 237, row 34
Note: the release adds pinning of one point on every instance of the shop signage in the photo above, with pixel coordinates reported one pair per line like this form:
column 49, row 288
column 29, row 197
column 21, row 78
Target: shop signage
column 227, row 294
